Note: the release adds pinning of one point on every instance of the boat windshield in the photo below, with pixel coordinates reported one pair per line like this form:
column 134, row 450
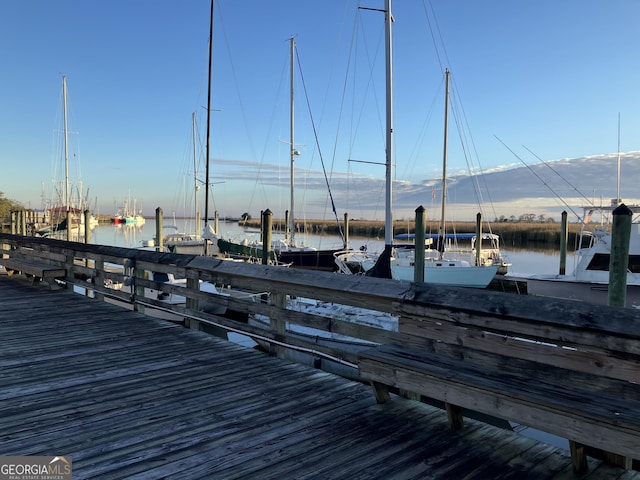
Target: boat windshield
column 600, row 262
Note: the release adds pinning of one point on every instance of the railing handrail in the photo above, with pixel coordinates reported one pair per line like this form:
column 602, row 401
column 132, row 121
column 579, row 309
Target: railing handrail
column 495, row 311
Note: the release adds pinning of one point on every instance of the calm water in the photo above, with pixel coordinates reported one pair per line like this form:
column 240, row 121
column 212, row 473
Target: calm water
column 523, row 261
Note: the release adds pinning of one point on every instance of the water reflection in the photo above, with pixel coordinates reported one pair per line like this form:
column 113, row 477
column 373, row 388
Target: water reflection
column 527, row 260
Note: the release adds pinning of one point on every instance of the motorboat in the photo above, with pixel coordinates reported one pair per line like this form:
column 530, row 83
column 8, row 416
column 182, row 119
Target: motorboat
column 589, row 280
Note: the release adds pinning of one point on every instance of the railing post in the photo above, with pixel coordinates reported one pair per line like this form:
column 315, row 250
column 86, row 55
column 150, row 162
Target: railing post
column 13, row 222
column 98, row 279
column 619, row 258
column 418, row 269
column 139, row 289
column 193, row 285
column 69, row 264
column 278, row 325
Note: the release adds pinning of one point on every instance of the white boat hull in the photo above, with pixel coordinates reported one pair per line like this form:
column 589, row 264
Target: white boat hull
column 563, row 286
column 453, row 276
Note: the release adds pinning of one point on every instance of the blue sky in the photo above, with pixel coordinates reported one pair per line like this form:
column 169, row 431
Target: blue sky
column 551, row 76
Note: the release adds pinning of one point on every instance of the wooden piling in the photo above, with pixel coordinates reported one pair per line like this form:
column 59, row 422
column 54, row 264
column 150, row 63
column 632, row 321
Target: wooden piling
column 287, row 227
column 619, row 258
column 261, row 226
column 346, row 230
column 159, row 238
column 478, row 239
column 418, row 269
column 564, row 235
column 87, row 226
column 69, row 224
column 266, row 236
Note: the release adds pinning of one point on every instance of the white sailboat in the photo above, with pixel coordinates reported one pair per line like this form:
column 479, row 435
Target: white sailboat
column 287, row 251
column 188, row 242
column 66, row 213
column 441, row 267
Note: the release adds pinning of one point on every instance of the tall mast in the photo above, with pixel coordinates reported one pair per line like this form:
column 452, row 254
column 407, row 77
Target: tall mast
column 206, row 201
column 66, row 144
column 618, row 200
column 444, row 163
column 388, row 225
column 195, row 172
column 292, row 150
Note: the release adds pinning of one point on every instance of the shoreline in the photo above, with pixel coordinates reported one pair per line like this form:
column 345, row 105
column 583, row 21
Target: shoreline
column 543, row 234
column 512, row 233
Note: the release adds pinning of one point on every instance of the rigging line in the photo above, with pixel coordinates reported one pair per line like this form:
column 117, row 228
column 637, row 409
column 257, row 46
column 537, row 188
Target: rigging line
column 414, row 155
column 590, row 202
column 242, row 108
column 433, row 30
column 371, row 84
column 472, row 168
column 315, row 135
column 344, row 94
column 540, row 178
column 283, row 76
column 337, row 51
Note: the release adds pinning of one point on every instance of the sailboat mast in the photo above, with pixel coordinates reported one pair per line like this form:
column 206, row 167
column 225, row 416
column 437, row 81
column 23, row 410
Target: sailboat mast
column 195, row 171
column 206, row 185
column 618, row 200
column 388, row 225
column 66, row 144
column 292, row 151
column 447, row 74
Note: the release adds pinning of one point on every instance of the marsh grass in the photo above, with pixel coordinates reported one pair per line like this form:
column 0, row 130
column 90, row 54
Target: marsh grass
column 517, row 234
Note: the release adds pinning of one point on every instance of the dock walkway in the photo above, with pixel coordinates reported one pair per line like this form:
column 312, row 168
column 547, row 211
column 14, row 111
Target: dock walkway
column 130, row 396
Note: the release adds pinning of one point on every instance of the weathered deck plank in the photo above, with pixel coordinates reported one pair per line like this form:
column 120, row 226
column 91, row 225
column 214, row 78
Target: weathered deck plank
column 129, row 396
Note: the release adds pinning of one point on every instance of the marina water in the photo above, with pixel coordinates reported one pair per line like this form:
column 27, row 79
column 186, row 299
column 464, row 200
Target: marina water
column 523, row 260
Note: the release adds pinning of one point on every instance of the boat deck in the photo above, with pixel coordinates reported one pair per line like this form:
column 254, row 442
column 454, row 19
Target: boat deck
column 130, row 396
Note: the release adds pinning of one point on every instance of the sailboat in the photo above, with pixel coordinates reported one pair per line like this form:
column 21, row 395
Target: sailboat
column 66, row 215
column 184, row 242
column 440, row 268
column 287, row 251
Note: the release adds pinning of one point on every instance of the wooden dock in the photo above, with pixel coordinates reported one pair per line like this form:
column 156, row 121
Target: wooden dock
column 130, row 396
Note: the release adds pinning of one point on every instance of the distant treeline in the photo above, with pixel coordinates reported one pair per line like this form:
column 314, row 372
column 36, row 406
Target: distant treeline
column 517, row 234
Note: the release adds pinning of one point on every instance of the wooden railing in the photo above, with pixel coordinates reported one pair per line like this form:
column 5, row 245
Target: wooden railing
column 500, row 353
column 126, row 275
